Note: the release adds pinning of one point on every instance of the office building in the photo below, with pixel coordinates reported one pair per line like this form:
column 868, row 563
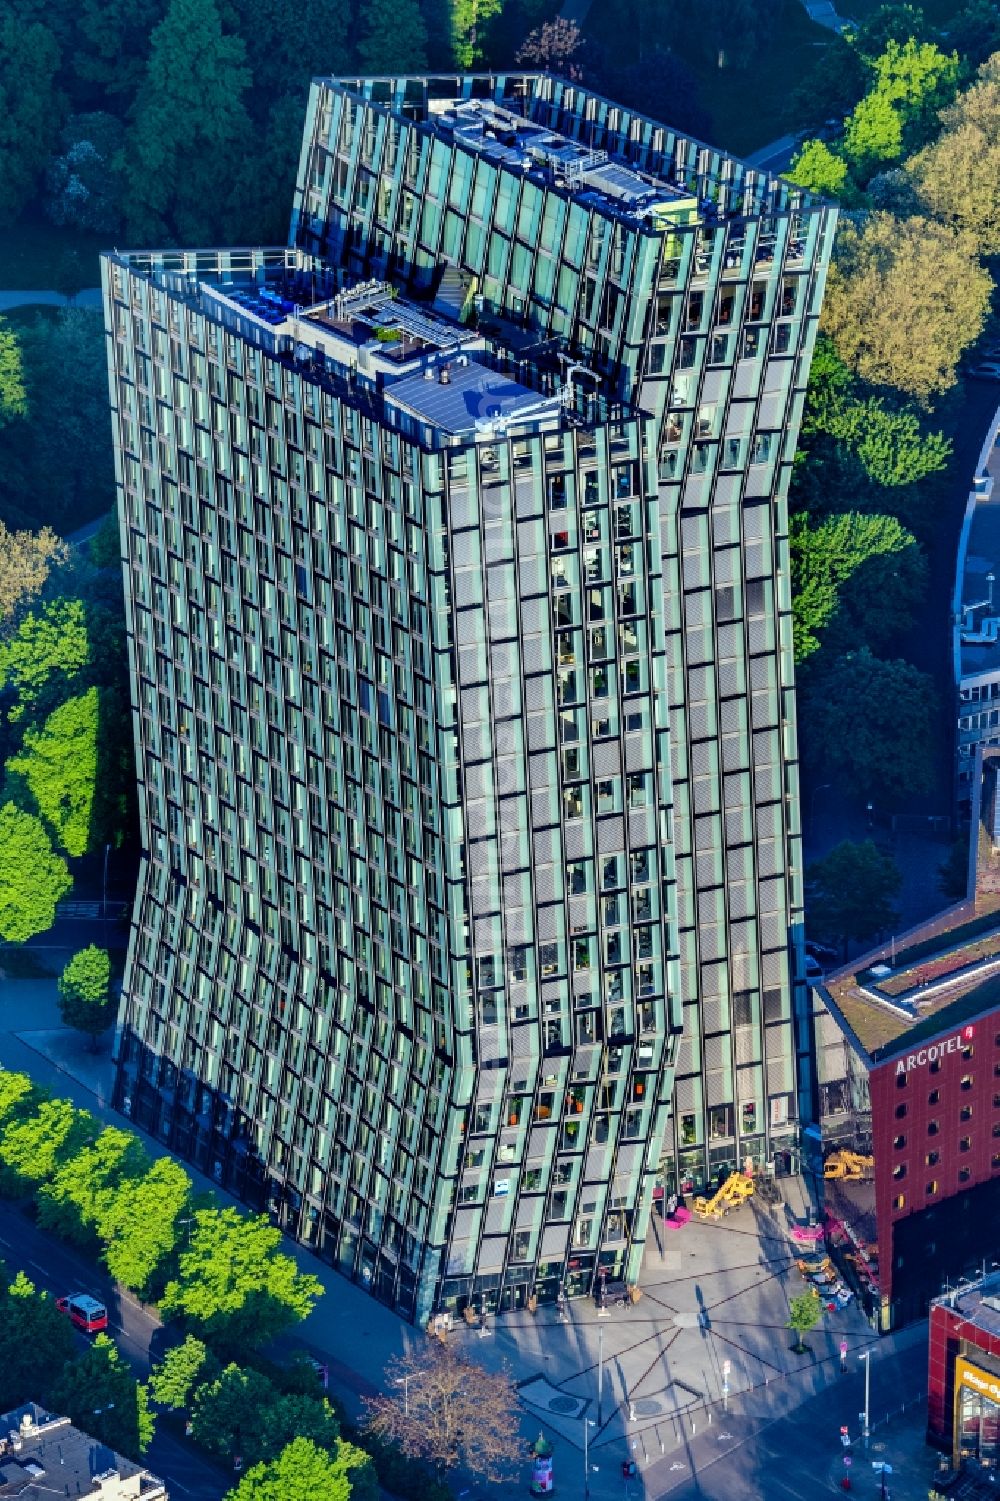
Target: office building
column 457, row 567
column 963, row 1373
column 976, row 619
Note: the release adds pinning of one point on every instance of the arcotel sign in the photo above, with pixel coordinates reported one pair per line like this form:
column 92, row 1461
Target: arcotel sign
column 935, row 1050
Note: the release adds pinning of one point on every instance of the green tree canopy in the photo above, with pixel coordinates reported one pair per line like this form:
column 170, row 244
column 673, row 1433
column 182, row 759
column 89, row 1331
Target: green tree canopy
column 184, row 1367
column 287, row 46
column 139, row 1224
column 469, row 24
column 33, row 878
column 824, row 557
column 99, row 1395
column 30, row 108
column 55, row 772
column 34, row 1146
column 889, row 23
column 911, row 82
column 891, row 445
column 48, row 652
column 852, row 889
column 35, row 1341
column 855, row 705
column 74, row 1201
column 85, row 992
column 17, row 1096
column 817, row 167
column 891, row 276
column 301, row 1472
column 13, row 392
column 394, row 38
column 975, row 31
column 956, row 176
column 804, row 1313
column 191, row 129
column 234, row 1285
column 220, row 1408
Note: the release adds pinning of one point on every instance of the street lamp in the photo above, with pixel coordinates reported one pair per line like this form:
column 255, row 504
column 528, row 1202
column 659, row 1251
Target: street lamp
column 588, row 1423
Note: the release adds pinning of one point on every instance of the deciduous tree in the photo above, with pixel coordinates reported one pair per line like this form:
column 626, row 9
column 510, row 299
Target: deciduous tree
column 76, row 1198
column 35, row 1341
column 447, row 1411
column 99, row 1395
column 234, row 1286
column 301, row 1472
column 394, row 37
column 140, row 1227
column 852, row 892
column 804, row 1313
column 184, row 1367
column 36, row 1144
column 85, row 992
column 13, row 394
column 825, row 556
column 191, row 130
column 891, row 277
column 30, row 107
column 33, row 878
column 818, row 168
column 55, row 772
column 220, row 1408
column 48, row 652
column 26, row 560
column 855, row 706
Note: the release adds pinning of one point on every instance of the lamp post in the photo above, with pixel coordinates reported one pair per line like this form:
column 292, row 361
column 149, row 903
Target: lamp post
column 866, row 1357
column 600, row 1370
column 104, row 895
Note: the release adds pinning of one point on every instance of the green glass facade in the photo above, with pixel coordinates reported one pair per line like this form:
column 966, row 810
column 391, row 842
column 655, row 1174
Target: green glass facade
column 457, row 576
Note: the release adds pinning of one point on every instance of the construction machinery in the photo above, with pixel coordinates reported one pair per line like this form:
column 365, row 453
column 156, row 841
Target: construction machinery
column 849, row 1167
column 734, row 1192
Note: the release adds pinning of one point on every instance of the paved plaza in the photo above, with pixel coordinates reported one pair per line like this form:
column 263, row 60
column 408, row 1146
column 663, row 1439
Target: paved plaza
column 696, row 1382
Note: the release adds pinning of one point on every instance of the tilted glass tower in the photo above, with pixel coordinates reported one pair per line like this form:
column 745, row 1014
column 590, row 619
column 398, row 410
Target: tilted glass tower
column 457, row 573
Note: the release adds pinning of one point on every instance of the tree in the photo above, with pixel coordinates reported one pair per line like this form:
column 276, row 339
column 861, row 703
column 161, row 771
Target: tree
column 816, row 167
column 394, row 37
column 83, row 184
column 30, row 108
column 110, row 44
column 301, row 1472
column 26, row 560
column 33, row 878
column 105, row 547
column 448, row 1411
column 287, row 45
column 220, row 1408
column 190, row 128
column 853, row 887
column 824, row 557
column 892, row 276
column 139, row 1224
column 557, row 46
column 879, row 601
column 890, row 23
column 13, row 395
column 77, row 1196
column 890, row 442
column 55, row 772
column 65, row 465
column 804, row 1313
column 955, row 178
column 873, row 133
column 99, row 1395
column 17, row 1096
column 48, row 651
column 85, row 993
column 975, row 31
column 35, row 1341
column 35, row 1146
column 912, row 82
column 172, row 1380
column 856, row 708
column 469, row 21
column 234, row 1285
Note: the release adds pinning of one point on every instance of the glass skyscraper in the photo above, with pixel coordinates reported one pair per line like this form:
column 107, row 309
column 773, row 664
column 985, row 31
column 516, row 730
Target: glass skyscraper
column 456, row 565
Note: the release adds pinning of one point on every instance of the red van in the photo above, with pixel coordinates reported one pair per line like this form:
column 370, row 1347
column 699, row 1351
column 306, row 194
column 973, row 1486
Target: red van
column 86, row 1313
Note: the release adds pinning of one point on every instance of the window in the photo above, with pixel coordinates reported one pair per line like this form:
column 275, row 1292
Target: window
column 932, row 1159
column 965, row 1145
column 931, row 1188
column 964, row 1174
column 899, row 1171
column 933, row 1128
column 935, row 1067
column 900, row 1081
column 965, row 1114
column 900, row 1112
column 934, row 1097
column 966, row 1081
column 968, row 1050
column 899, row 1202
column 899, row 1142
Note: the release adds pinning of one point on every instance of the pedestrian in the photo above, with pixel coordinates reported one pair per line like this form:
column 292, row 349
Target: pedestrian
column 843, row 1355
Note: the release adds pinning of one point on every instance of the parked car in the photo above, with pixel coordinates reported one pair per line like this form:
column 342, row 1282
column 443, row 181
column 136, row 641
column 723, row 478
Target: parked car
column 821, row 952
column 84, row 1311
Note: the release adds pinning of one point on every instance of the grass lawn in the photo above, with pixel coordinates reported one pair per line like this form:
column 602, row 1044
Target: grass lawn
column 36, row 256
column 748, row 106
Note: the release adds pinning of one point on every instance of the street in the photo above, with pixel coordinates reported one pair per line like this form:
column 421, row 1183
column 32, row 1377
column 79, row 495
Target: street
column 59, row 1269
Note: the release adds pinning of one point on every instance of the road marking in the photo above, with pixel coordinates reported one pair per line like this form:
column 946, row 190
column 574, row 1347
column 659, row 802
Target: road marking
column 36, row 1266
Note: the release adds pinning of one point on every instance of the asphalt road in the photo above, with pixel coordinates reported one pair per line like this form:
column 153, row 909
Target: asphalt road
column 59, row 1269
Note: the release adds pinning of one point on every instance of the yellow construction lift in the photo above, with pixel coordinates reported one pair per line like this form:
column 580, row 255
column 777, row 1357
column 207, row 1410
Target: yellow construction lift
column 849, row 1167
column 734, row 1192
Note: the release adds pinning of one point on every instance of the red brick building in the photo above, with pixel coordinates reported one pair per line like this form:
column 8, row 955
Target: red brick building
column 908, row 1078
column 963, row 1373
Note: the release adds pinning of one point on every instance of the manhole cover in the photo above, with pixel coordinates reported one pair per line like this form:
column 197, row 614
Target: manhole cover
column 647, row 1408
column 563, row 1404
column 687, row 1320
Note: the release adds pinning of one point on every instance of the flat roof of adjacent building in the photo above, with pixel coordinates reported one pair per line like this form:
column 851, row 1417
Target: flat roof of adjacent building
column 978, row 1304
column 42, row 1453
column 471, row 398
